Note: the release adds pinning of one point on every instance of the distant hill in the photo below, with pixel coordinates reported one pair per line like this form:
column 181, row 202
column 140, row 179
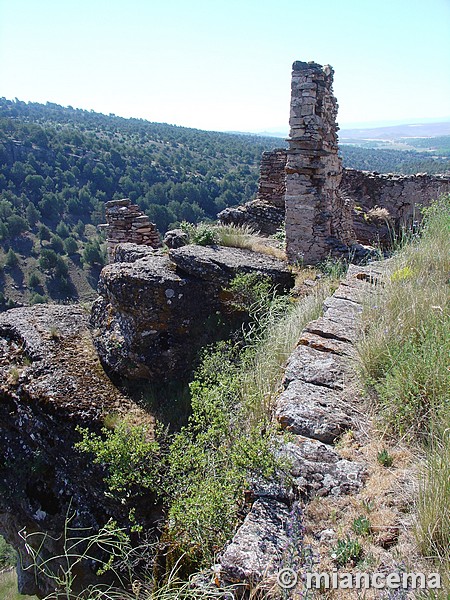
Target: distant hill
column 396, row 132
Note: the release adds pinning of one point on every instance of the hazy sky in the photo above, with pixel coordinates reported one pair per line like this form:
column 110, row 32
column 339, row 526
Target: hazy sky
column 226, row 64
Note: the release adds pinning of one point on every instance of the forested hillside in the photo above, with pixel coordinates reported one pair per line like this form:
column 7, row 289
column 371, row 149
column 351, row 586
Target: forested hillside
column 59, row 165
column 407, row 162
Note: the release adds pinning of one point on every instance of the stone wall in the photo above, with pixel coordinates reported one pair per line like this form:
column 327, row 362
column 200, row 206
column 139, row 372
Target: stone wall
column 272, row 179
column 385, row 203
column 126, row 223
column 317, row 217
column 265, row 214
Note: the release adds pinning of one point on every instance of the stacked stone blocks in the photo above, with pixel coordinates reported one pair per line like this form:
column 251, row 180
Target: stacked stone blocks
column 126, row 223
column 315, row 223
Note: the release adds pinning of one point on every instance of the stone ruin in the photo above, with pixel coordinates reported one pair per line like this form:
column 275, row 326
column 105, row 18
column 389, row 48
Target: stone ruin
column 328, row 210
column 317, row 218
column 127, row 223
column 266, row 212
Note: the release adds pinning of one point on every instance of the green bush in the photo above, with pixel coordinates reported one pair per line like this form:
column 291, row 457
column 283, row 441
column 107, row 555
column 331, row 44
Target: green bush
column 130, row 454
column 8, row 556
column 12, row 260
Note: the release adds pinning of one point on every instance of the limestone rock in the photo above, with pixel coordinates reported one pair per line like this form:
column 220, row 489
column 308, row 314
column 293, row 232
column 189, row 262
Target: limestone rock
column 312, row 411
column 154, row 314
column 149, row 320
column 128, row 252
column 312, row 366
column 318, row 470
column 51, row 381
column 256, row 549
column 175, row 238
column 221, row 264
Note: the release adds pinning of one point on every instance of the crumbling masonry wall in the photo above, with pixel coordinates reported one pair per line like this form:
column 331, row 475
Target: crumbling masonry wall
column 272, row 179
column 126, row 223
column 265, row 214
column 318, row 220
column 387, row 203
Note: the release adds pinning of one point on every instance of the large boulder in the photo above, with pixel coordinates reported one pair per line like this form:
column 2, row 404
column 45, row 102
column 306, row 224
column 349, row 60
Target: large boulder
column 155, row 313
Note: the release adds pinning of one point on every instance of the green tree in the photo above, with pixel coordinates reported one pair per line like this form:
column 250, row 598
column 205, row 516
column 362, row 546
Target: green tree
column 62, row 230
column 70, row 245
column 32, row 214
column 48, row 259
column 34, row 281
column 16, row 225
column 57, row 244
column 44, row 233
column 92, row 254
column 12, row 260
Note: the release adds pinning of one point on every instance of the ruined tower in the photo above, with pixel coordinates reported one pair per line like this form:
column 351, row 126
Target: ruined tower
column 316, row 219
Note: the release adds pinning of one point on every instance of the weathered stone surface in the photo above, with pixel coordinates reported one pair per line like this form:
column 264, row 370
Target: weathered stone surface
column 51, row 381
column 313, row 411
column 324, row 344
column 319, row 368
column 175, row 238
column 383, row 204
column 128, row 252
column 257, row 214
column 318, row 217
column 150, row 321
column 220, row 264
column 154, row 314
column 256, row 549
column 318, row 470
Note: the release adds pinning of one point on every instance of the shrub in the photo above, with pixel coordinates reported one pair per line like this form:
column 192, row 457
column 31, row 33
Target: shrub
column 37, row 299
column 12, row 260
column 70, row 245
column 131, row 455
column 33, row 281
column 346, row 551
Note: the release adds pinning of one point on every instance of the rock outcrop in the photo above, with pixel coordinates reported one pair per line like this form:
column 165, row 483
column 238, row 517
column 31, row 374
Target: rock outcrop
column 317, row 406
column 155, row 313
column 51, row 382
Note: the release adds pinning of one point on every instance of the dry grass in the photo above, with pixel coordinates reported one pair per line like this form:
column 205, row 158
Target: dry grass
column 8, row 587
column 245, row 237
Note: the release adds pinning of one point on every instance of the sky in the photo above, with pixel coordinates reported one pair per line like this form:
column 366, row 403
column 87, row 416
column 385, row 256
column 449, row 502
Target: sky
column 225, row 65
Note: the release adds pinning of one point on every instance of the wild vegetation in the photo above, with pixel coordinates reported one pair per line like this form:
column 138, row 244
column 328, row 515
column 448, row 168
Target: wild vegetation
column 384, row 160
column 59, row 165
column 405, row 366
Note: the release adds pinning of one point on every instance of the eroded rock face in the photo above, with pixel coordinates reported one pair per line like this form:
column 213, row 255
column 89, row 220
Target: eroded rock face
column 51, row 381
column 155, row 313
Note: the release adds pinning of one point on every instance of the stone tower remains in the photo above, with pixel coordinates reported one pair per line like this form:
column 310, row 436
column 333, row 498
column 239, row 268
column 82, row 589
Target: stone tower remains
column 317, row 218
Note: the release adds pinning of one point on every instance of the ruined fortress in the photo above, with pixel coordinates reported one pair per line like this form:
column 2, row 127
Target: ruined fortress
column 327, row 210
column 156, row 309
